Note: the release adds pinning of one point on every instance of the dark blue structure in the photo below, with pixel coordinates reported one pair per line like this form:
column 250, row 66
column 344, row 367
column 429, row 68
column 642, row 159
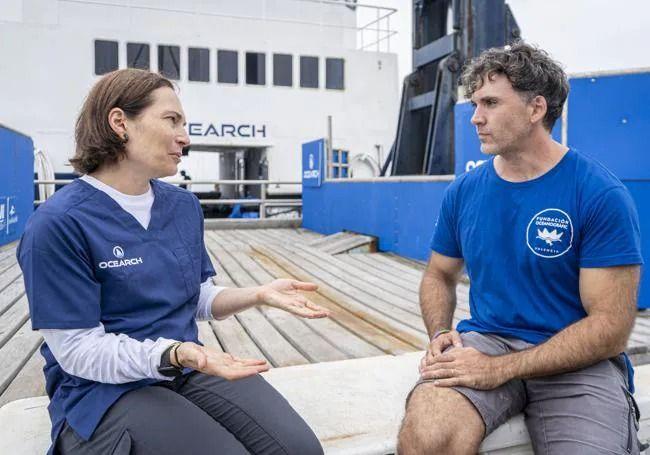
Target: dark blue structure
column 16, row 183
column 608, row 118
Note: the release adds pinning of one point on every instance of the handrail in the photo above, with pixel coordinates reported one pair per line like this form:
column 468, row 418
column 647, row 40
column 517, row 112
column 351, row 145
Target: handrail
column 191, row 182
column 263, row 202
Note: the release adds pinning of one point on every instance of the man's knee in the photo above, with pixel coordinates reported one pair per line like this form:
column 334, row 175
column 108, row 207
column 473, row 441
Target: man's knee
column 433, row 417
column 417, row 439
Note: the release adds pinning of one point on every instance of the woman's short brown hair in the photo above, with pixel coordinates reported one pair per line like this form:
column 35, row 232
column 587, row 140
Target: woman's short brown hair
column 96, row 142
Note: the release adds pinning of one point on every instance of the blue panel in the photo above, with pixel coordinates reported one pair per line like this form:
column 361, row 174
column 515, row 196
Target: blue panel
column 401, row 215
column 641, row 194
column 16, row 183
column 466, row 144
column 609, row 119
column 313, row 154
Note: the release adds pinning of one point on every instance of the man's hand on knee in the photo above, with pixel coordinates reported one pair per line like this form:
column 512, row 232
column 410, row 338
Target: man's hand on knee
column 467, row 367
column 437, row 346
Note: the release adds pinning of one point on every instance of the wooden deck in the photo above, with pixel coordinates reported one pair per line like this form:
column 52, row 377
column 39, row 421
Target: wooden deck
column 372, row 297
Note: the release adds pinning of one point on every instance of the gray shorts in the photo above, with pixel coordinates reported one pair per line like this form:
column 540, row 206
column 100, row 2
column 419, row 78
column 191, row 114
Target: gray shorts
column 587, row 411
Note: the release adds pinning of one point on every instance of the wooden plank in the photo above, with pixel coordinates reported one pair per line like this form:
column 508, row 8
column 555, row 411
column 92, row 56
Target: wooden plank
column 16, row 352
column 256, row 236
column 372, row 261
column 301, row 235
column 275, row 347
column 225, row 238
column 377, row 288
column 317, row 339
column 8, row 249
column 420, row 265
column 294, row 330
column 13, row 319
column 235, row 340
column 389, row 259
column 7, row 261
column 311, row 235
column 284, row 235
column 642, row 320
column 363, row 322
column 329, row 239
column 355, row 242
column 376, row 293
column 395, row 321
column 395, row 280
column 230, row 333
column 341, row 328
column 641, row 328
column 30, row 382
column 207, row 336
column 11, row 293
column 8, row 276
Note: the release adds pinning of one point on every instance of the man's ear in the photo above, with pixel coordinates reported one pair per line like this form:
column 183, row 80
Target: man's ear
column 117, row 121
column 539, row 109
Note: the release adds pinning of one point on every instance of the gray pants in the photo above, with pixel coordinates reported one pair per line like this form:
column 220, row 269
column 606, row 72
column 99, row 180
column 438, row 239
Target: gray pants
column 198, row 414
column 588, row 411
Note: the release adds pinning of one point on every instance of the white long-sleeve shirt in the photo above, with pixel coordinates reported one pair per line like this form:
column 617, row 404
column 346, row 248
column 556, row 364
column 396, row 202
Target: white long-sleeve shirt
column 111, row 357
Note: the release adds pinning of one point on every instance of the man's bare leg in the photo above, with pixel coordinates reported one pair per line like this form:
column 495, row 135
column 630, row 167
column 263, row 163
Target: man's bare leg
column 440, row 420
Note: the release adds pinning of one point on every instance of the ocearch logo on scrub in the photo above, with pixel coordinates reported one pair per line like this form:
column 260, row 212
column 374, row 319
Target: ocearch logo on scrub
column 118, row 252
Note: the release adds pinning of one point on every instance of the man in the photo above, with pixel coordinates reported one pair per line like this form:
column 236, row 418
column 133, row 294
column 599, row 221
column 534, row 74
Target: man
column 550, row 241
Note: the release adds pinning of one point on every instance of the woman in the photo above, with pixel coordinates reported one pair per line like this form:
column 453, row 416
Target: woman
column 116, row 273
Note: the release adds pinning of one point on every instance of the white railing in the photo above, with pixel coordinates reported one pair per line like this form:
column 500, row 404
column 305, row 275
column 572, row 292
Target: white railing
column 262, row 202
column 375, row 35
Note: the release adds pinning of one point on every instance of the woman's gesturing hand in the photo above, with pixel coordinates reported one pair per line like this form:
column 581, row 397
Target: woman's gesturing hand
column 217, row 363
column 284, row 294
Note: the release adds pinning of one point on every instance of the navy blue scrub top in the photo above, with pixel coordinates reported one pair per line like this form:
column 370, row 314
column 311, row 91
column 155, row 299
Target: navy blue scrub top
column 85, row 260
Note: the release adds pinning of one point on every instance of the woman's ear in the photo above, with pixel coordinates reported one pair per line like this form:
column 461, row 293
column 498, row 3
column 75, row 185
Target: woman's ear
column 117, row 121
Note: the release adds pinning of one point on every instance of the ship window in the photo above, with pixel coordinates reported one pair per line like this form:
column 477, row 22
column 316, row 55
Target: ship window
column 169, row 59
column 137, row 56
column 340, row 164
column 283, row 70
column 334, row 73
column 105, row 56
column 309, row 72
column 227, row 67
column 199, row 64
column 255, row 68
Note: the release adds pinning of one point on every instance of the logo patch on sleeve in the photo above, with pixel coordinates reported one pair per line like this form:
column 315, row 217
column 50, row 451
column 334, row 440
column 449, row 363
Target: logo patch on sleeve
column 550, row 233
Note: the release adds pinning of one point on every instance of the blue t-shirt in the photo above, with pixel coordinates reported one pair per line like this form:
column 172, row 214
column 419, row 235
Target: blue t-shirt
column 524, row 243
column 85, row 260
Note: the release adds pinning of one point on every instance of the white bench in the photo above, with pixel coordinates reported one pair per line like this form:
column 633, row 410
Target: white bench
column 354, row 407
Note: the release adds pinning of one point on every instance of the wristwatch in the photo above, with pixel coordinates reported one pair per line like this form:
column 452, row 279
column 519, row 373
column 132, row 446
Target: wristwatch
column 166, row 367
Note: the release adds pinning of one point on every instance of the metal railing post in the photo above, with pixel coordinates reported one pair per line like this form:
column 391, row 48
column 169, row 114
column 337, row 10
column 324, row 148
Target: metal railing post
column 263, row 203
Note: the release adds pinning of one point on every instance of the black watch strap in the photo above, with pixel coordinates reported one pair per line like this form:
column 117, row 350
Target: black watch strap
column 166, row 367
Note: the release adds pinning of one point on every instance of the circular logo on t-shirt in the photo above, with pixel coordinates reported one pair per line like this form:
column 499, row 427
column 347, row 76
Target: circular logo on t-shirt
column 550, row 233
column 118, row 252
